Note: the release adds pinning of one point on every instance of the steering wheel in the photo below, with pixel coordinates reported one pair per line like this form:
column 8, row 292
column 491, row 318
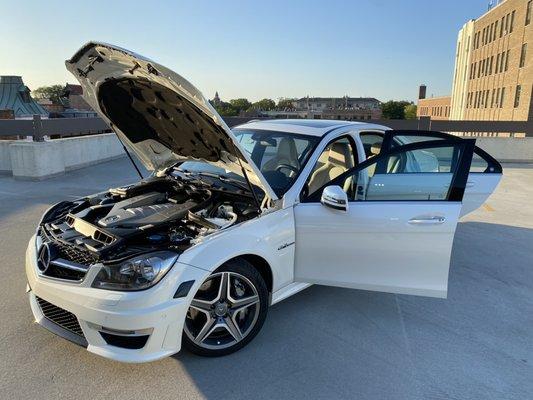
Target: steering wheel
column 287, row 166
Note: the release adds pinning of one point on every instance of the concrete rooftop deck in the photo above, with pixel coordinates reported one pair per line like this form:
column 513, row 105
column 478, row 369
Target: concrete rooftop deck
column 322, row 343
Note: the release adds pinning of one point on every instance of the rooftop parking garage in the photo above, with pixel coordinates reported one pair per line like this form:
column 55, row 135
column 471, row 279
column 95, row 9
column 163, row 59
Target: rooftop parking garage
column 323, row 342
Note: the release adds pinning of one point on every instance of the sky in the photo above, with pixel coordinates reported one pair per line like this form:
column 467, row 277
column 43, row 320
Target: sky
column 274, row 49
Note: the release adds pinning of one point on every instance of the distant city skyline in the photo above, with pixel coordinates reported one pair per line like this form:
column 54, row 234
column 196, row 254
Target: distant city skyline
column 369, row 48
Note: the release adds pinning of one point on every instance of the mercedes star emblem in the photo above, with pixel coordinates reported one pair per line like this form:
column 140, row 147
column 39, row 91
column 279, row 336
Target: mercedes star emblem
column 44, row 258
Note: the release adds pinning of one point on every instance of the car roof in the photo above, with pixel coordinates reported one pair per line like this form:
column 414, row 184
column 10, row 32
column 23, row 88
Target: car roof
column 313, row 127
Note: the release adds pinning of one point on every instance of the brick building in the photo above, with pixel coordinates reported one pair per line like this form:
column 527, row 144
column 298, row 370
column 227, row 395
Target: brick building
column 345, row 108
column 494, row 67
column 73, row 98
column 434, row 107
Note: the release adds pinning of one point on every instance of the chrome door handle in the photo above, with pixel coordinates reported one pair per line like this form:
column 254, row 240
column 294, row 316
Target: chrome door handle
column 470, row 184
column 436, row 220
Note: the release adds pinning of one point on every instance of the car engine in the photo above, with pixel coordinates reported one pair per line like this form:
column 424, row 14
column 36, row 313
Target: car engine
column 155, row 213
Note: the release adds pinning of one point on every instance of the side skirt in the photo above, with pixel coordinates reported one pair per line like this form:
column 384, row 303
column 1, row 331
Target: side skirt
column 288, row 291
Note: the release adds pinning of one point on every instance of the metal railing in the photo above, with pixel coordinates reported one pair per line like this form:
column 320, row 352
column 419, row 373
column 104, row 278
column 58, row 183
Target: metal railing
column 38, row 128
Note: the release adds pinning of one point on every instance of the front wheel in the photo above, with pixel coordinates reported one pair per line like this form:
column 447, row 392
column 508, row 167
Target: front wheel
column 227, row 311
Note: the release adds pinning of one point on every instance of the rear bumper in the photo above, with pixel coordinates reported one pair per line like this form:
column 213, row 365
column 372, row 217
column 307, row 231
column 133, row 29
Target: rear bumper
column 153, row 312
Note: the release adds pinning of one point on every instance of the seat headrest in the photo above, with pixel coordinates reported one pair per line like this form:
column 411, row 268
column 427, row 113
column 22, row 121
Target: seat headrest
column 287, row 149
column 375, row 149
column 337, row 154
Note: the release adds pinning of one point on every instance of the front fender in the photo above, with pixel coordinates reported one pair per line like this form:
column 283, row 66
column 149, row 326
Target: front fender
column 270, row 236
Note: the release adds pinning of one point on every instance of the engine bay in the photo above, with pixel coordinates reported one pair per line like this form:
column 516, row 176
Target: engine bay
column 156, row 213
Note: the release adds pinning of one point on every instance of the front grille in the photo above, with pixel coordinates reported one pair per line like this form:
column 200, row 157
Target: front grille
column 74, row 254
column 56, row 271
column 69, row 253
column 58, row 316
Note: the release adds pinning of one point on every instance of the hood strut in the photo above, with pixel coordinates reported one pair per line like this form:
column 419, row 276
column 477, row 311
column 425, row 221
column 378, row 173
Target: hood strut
column 131, row 159
column 248, row 181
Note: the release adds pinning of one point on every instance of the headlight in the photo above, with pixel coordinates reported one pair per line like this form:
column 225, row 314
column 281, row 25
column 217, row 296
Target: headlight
column 137, row 273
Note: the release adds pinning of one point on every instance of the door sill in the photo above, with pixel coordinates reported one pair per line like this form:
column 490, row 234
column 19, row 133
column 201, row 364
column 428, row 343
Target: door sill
column 288, row 291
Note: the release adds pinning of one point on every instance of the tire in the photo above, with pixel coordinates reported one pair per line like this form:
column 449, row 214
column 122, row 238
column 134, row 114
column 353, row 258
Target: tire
column 206, row 312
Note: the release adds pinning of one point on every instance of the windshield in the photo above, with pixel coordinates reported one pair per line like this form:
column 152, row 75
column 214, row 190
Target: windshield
column 280, row 156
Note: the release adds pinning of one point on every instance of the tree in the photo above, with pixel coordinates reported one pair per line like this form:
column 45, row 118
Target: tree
column 226, row 109
column 264, row 105
column 394, row 109
column 240, row 104
column 285, row 104
column 410, row 111
column 53, row 93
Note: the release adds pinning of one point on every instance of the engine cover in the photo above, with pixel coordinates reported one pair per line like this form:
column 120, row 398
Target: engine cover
column 141, row 211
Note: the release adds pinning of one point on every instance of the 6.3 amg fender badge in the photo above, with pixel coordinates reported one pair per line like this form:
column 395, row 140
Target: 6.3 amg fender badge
column 285, row 245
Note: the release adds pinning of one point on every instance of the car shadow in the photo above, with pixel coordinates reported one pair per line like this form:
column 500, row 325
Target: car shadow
column 339, row 343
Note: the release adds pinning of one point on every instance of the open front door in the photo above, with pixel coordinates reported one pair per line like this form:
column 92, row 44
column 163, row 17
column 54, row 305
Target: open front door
column 484, row 174
column 397, row 232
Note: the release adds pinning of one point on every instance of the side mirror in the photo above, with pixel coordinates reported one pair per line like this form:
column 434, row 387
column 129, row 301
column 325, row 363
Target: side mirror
column 335, row 197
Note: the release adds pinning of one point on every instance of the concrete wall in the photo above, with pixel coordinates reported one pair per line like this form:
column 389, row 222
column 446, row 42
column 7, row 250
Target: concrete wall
column 86, row 150
column 5, row 157
column 508, row 149
column 41, row 160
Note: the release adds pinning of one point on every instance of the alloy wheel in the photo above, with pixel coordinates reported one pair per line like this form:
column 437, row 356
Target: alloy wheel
column 223, row 311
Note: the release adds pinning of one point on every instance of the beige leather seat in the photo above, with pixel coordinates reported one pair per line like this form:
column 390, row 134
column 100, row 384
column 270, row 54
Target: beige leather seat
column 393, row 161
column 339, row 160
column 286, row 154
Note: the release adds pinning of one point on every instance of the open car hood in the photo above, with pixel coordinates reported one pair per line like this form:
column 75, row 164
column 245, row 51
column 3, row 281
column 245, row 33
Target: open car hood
column 157, row 113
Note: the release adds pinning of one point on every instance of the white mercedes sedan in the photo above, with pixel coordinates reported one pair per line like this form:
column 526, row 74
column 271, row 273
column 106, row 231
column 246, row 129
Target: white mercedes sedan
column 230, row 222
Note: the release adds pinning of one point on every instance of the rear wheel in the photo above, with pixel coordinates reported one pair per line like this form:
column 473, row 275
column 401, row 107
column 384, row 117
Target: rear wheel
column 227, row 311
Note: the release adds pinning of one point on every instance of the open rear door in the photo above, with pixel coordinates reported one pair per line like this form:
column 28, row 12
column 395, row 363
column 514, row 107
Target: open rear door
column 396, row 232
column 484, row 175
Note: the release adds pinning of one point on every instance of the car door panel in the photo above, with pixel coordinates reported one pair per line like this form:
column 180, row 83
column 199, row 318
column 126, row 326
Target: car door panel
column 478, row 189
column 397, row 233
column 384, row 252
column 484, row 176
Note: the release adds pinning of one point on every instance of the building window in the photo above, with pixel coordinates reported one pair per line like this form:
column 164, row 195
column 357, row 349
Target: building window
column 528, row 12
column 497, row 103
column 502, row 98
column 523, row 55
column 501, row 26
column 507, row 60
column 496, row 28
column 507, row 24
column 492, row 98
column 517, row 96
column 512, row 22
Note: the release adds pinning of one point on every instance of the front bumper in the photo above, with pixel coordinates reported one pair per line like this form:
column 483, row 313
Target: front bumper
column 153, row 312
